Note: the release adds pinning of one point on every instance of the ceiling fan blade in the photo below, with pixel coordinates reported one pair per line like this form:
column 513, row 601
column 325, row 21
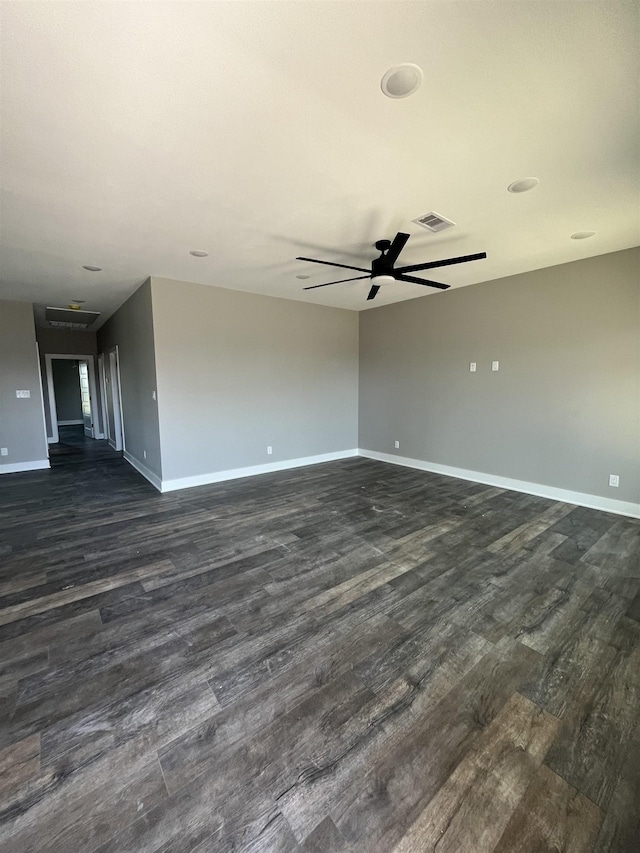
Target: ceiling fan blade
column 357, row 278
column 413, row 280
column 374, row 290
column 396, row 247
column 445, row 263
column 331, row 264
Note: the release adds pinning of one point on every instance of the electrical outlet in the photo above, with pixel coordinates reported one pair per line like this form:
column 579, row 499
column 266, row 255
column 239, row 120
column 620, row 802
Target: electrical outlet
column 269, row 450
column 153, row 396
column 495, row 365
column 396, row 444
column 472, row 367
column 4, row 451
column 23, row 393
column 614, row 480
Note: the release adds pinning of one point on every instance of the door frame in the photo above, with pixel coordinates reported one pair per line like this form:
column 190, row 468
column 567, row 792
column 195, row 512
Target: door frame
column 103, row 396
column 111, row 363
column 44, row 418
column 54, row 438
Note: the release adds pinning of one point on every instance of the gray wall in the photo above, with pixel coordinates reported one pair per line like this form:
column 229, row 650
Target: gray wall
column 564, row 408
column 66, row 383
column 131, row 330
column 21, row 420
column 67, row 341
column 238, row 372
column 52, row 341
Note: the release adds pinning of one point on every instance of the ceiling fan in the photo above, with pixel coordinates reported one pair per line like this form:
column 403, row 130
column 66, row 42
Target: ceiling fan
column 384, row 272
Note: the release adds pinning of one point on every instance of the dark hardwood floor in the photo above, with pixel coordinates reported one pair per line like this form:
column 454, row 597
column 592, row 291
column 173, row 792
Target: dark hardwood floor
column 347, row 657
column 73, row 446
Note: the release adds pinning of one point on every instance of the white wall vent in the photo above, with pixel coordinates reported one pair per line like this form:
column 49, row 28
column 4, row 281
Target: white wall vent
column 70, row 319
column 433, row 221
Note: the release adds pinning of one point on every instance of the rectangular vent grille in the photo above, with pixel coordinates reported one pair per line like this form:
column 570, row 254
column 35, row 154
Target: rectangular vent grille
column 434, row 222
column 67, row 318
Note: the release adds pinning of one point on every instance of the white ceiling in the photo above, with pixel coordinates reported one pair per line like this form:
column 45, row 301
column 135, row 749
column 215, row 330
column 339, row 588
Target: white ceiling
column 134, row 132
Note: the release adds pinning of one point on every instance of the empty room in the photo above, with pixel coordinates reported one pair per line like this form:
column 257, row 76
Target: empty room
column 320, row 426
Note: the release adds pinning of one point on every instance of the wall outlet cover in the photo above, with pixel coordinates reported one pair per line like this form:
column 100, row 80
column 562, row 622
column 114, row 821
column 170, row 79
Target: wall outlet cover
column 495, row 365
column 4, row 451
column 614, row 480
column 23, row 394
column 472, row 366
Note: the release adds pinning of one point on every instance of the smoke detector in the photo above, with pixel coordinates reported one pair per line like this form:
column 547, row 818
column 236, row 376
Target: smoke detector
column 434, row 222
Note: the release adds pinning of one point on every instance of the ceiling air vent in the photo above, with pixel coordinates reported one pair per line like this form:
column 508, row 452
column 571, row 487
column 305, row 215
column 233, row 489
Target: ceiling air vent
column 434, row 222
column 68, row 318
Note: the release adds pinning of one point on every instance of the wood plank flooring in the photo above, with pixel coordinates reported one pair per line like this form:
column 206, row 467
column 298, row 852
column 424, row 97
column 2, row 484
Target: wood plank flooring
column 351, row 657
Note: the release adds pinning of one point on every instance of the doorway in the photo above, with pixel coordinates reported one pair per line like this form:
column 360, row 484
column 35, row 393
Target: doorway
column 73, row 398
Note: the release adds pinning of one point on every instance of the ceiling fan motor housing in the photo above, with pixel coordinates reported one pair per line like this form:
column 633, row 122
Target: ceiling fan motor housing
column 382, row 265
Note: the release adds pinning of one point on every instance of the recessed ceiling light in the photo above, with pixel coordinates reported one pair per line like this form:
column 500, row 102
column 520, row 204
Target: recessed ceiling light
column 582, row 235
column 199, row 253
column 92, row 269
column 402, row 80
column 523, row 185
column 303, row 276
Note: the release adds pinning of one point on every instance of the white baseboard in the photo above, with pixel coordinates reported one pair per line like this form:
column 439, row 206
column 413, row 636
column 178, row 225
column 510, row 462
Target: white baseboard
column 18, row 467
column 252, row 471
column 70, row 423
column 538, row 489
column 142, row 469
column 579, row 498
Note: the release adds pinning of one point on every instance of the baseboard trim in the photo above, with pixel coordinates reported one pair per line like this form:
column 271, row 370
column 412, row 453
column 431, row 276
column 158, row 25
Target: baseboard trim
column 551, row 492
column 142, row 469
column 538, row 489
column 252, row 471
column 19, row 467
column 70, row 423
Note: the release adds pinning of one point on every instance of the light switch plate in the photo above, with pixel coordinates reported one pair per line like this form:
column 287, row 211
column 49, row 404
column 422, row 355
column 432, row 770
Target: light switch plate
column 495, row 365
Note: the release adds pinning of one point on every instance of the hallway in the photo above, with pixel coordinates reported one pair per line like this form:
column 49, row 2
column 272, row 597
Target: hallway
column 74, row 447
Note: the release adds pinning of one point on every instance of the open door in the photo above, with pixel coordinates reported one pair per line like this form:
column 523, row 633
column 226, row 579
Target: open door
column 85, row 394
